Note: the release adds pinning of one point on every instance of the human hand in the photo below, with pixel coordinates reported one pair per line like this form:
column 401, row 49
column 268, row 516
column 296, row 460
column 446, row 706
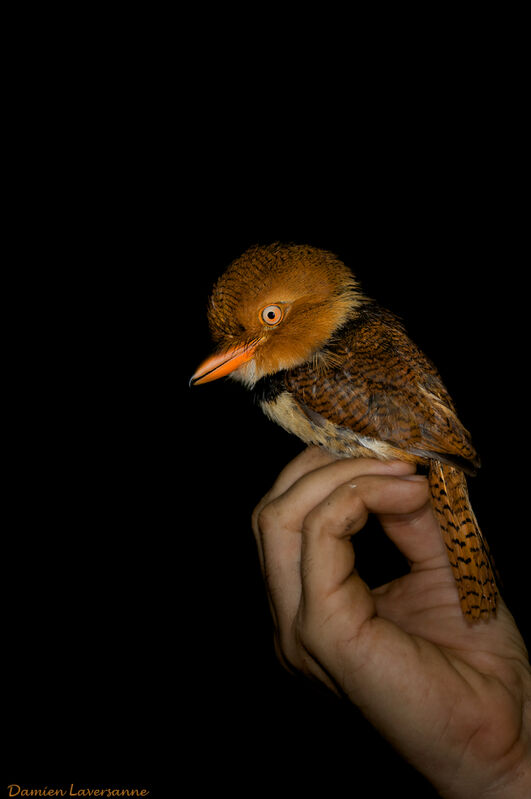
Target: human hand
column 452, row 697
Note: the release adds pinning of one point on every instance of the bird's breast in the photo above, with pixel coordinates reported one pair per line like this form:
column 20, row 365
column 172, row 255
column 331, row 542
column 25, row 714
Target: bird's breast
column 314, row 429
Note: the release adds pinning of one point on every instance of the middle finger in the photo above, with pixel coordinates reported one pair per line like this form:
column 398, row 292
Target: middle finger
column 278, row 527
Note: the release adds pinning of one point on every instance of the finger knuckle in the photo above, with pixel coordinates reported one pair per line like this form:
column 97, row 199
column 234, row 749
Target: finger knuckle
column 338, row 511
column 308, row 633
column 266, row 517
column 256, row 514
column 287, row 653
column 312, row 522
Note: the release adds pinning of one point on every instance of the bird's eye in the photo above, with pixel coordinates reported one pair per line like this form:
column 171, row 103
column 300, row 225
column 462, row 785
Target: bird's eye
column 272, row 315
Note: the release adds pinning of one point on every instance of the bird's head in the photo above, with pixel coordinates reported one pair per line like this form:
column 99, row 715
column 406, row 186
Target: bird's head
column 274, row 308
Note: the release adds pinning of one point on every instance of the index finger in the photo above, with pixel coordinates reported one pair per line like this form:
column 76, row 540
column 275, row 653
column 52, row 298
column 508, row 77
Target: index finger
column 309, row 459
column 278, row 520
column 313, row 475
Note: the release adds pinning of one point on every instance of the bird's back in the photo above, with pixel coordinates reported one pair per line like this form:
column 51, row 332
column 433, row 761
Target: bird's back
column 370, row 391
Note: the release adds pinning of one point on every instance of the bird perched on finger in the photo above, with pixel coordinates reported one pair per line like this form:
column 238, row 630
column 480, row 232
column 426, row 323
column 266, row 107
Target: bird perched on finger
column 333, row 367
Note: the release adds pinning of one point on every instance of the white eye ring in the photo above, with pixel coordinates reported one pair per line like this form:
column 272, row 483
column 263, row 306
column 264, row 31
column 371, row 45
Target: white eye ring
column 272, row 315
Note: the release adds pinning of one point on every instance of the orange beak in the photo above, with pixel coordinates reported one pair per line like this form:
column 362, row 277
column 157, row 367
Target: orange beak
column 223, row 364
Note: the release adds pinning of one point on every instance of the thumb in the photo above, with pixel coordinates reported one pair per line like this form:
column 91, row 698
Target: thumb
column 415, row 531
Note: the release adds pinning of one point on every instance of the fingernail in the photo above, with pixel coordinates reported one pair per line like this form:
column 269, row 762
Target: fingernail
column 414, row 477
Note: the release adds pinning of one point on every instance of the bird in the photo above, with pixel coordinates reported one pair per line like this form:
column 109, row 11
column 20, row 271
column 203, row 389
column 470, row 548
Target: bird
column 331, row 365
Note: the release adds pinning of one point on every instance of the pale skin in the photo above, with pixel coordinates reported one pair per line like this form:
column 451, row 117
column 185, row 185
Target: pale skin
column 453, row 697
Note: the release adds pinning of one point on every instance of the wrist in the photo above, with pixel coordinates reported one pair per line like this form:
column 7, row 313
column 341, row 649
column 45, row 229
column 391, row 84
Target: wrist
column 506, row 776
column 514, row 774
column 514, row 785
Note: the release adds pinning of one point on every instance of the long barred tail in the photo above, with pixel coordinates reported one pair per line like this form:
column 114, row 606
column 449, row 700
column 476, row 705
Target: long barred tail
column 467, row 549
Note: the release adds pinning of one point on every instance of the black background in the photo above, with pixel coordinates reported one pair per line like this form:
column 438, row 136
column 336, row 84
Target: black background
column 138, row 645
